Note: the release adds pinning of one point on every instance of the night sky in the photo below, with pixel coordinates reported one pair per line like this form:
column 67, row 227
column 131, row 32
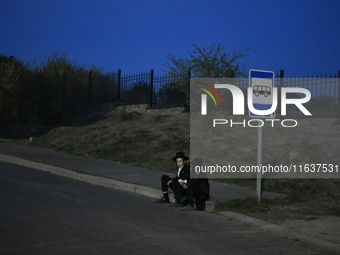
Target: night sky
column 300, row 36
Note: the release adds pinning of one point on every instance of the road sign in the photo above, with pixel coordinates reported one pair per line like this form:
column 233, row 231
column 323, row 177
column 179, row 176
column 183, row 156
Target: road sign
column 262, row 84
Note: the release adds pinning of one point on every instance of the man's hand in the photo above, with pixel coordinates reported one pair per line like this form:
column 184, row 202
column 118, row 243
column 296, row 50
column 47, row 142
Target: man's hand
column 183, row 184
column 169, row 183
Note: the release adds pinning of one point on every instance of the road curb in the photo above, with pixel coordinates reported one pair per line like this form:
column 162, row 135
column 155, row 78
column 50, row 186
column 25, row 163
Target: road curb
column 95, row 180
column 155, row 193
column 283, row 232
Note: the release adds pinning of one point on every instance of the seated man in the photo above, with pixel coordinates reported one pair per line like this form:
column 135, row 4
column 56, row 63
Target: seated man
column 198, row 188
column 177, row 184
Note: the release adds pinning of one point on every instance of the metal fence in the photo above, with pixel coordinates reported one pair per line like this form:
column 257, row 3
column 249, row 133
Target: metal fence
column 136, row 88
column 168, row 91
column 156, row 91
column 325, row 95
column 324, row 89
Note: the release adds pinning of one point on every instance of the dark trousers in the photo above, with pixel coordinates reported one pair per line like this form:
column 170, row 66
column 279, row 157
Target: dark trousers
column 174, row 186
column 198, row 192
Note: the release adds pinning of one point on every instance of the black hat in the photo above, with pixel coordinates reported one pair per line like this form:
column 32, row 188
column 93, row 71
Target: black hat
column 180, row 155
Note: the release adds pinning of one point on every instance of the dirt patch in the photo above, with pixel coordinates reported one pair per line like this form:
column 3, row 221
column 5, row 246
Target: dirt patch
column 324, row 227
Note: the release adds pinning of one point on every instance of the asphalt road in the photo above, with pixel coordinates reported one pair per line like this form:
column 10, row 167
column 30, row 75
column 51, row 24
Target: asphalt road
column 41, row 213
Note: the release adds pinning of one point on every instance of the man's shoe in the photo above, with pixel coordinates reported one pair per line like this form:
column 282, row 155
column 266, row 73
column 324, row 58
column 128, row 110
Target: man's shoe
column 163, row 200
column 189, row 208
column 175, row 204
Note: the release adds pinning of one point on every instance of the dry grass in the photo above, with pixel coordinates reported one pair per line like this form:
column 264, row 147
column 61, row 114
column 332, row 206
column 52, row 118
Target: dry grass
column 146, row 140
column 150, row 140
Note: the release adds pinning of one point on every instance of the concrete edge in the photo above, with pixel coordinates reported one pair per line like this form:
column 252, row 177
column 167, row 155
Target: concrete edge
column 95, row 180
column 283, row 232
column 155, row 193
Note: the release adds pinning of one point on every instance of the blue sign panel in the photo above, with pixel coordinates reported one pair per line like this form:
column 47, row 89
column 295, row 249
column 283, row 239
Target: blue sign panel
column 262, row 84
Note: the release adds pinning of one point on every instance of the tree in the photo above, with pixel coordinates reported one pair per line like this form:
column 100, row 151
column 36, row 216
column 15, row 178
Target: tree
column 11, row 86
column 208, row 62
column 38, row 94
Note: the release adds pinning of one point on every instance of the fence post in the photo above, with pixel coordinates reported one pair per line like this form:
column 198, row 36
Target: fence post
column 339, row 94
column 90, row 86
column 281, row 78
column 64, row 91
column 151, row 87
column 279, row 92
column 187, row 94
column 281, row 74
column 118, row 89
column 64, row 88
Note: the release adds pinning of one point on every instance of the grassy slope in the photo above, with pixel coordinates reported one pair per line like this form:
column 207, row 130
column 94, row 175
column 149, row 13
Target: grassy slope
column 150, row 140
column 133, row 138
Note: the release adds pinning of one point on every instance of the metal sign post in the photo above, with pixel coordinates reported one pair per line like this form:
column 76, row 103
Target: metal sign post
column 262, row 84
column 259, row 162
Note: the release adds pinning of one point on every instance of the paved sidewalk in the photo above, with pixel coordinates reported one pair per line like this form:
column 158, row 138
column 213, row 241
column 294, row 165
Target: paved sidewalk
column 145, row 182
column 126, row 173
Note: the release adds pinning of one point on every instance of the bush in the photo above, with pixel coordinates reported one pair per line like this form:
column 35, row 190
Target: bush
column 36, row 94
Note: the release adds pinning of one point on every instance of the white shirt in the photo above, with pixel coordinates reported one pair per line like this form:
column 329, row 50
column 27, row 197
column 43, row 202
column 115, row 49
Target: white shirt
column 180, row 180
